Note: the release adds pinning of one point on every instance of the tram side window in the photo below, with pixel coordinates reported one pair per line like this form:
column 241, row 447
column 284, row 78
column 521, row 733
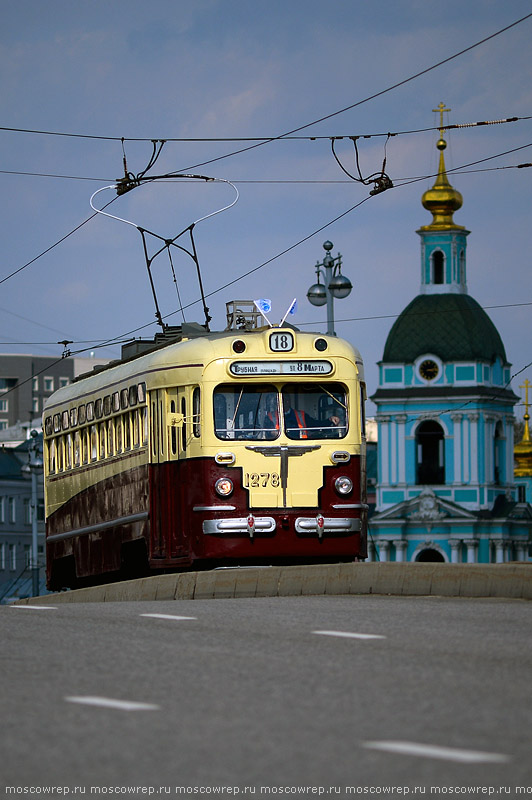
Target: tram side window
column 315, row 410
column 110, row 438
column 144, row 424
column 86, row 445
column 184, row 428
column 102, row 439
column 118, row 428
column 52, row 457
column 94, row 443
column 246, row 412
column 135, row 422
column 68, row 454
column 60, row 452
column 173, row 430
column 127, row 431
column 196, row 408
column 77, row 449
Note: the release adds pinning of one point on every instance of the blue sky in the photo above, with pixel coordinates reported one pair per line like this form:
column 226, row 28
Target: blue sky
column 235, row 69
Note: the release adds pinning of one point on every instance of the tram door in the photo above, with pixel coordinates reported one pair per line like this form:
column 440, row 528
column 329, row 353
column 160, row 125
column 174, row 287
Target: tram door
column 176, row 482
column 157, row 458
column 167, row 451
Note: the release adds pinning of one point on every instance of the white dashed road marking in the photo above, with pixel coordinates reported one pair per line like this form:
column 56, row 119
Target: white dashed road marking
column 166, row 616
column 347, row 635
column 432, row 751
column 107, row 702
column 39, row 608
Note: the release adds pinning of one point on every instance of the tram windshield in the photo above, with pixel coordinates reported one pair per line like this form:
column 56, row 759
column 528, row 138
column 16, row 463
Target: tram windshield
column 309, row 411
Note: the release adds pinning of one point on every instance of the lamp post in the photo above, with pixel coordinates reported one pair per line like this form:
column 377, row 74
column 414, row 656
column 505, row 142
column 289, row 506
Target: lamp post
column 335, row 285
column 35, row 463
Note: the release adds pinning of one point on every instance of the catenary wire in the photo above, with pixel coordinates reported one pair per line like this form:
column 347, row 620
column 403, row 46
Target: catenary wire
column 399, row 182
column 286, row 137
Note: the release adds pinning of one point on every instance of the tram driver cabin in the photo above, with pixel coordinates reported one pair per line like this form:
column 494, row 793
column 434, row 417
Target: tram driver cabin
column 198, row 449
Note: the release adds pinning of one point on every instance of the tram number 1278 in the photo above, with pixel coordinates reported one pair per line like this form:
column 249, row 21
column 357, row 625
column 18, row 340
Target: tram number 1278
column 254, row 480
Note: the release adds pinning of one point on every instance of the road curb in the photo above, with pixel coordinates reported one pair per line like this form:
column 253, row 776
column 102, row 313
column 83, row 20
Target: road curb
column 447, row 580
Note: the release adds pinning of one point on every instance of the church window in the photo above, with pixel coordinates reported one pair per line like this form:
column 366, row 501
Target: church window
column 429, row 554
column 462, row 266
column 437, row 267
column 498, row 454
column 430, row 454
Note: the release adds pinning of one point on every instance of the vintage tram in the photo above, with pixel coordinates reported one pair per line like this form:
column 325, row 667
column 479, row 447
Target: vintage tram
column 200, row 449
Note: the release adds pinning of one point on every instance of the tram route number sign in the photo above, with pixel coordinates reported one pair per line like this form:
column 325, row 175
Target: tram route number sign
column 281, row 342
column 252, row 368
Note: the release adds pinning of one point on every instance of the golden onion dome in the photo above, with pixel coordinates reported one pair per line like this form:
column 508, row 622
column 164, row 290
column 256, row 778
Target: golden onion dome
column 523, row 450
column 442, row 200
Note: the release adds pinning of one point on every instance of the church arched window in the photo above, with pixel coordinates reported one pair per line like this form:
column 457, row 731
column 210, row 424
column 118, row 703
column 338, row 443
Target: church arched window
column 437, row 267
column 498, row 454
column 430, row 448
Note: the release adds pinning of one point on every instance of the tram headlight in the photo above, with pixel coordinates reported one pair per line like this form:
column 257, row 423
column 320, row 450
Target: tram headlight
column 343, row 485
column 238, row 346
column 223, row 487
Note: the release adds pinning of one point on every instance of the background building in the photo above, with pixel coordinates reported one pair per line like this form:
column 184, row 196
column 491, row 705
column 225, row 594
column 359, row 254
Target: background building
column 25, row 382
column 445, row 489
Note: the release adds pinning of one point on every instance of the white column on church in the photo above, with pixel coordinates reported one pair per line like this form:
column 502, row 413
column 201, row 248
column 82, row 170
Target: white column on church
column 520, row 552
column 457, row 447
column 393, row 451
column 499, row 551
column 401, row 448
column 466, row 449
column 400, row 549
column 384, row 550
column 384, row 449
column 455, row 550
column 472, row 545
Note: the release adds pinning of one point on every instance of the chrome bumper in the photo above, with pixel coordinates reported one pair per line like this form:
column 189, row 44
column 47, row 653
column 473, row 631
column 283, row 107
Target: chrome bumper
column 237, row 525
column 321, row 526
column 251, row 525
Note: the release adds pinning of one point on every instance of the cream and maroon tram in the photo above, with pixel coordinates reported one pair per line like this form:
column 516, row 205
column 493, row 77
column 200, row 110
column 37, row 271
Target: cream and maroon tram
column 240, row 447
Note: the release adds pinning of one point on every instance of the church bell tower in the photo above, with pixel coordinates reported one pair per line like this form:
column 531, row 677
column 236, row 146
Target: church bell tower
column 444, row 410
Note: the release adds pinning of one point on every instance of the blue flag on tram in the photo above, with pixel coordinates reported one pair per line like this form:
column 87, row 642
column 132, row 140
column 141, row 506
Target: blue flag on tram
column 264, row 305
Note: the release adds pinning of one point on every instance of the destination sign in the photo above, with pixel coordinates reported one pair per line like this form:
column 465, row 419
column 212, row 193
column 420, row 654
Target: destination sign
column 250, row 368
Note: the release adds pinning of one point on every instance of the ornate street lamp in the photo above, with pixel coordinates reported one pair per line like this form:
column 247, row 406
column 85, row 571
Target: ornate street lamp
column 335, row 285
column 34, row 466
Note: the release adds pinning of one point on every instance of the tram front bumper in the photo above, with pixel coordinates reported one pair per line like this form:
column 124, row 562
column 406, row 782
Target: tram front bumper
column 318, row 525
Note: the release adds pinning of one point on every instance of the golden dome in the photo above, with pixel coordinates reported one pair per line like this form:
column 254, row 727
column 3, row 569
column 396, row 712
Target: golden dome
column 442, row 200
column 523, row 450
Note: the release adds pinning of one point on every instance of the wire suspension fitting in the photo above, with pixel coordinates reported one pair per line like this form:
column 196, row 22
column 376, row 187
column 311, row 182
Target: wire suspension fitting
column 381, row 181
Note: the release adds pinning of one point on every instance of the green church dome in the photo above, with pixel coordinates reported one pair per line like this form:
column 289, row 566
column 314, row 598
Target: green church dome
column 451, row 326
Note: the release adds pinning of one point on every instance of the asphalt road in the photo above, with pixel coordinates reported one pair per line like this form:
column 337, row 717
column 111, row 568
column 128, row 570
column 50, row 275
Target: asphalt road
column 263, row 695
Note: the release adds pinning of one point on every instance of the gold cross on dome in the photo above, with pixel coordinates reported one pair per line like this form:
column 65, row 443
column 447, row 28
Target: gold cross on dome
column 441, row 108
column 526, row 385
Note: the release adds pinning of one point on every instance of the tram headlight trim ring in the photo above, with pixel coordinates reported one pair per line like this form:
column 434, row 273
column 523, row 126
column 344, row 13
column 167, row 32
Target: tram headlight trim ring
column 343, row 485
column 223, row 487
